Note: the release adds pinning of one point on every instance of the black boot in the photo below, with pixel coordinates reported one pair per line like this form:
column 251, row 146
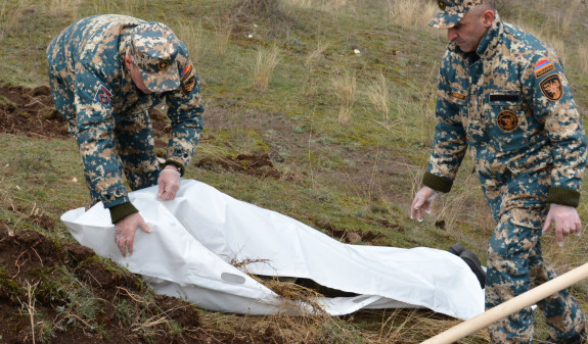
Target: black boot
column 471, row 260
column 456, row 249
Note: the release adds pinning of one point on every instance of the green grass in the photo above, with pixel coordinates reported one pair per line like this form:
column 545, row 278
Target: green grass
column 352, row 178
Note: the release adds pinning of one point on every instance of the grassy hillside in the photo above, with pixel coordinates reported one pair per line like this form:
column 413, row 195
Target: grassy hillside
column 334, row 97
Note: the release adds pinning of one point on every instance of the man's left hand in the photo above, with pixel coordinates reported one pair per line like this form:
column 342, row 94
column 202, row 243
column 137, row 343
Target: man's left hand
column 566, row 219
column 169, row 183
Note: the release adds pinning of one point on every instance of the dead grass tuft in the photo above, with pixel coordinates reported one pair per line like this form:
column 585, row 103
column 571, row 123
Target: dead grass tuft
column 345, row 88
column 412, row 14
column 323, row 5
column 297, row 295
column 223, row 29
column 378, row 94
column 193, row 37
column 265, row 64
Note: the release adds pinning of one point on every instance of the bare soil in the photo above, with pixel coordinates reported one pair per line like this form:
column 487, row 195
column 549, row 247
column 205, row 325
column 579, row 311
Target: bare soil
column 30, row 112
column 40, row 279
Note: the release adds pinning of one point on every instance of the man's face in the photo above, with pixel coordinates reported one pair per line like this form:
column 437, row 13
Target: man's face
column 468, row 33
column 136, row 76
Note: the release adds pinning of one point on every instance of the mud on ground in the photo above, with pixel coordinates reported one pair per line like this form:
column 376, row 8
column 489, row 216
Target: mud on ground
column 65, row 292
column 30, row 112
column 68, row 294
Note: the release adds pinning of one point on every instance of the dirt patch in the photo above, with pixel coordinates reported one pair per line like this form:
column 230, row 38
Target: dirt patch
column 31, row 112
column 74, row 295
column 353, row 237
column 256, row 165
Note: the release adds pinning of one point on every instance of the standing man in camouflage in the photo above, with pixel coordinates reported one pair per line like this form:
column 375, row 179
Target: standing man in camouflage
column 503, row 93
column 105, row 72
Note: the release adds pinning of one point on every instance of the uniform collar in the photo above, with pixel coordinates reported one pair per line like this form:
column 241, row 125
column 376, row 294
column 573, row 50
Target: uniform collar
column 489, row 42
column 493, row 36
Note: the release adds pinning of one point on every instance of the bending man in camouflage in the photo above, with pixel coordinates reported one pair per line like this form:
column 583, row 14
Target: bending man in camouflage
column 504, row 94
column 105, row 72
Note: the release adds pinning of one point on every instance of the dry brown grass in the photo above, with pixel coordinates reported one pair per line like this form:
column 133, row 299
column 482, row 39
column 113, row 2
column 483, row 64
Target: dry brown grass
column 265, row 63
column 192, row 36
column 412, row 14
column 57, row 7
column 314, row 57
column 323, row 5
column 223, row 29
column 582, row 53
column 378, row 93
column 345, row 88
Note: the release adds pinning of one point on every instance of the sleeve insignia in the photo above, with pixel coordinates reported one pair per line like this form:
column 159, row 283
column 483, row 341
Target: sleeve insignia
column 186, row 72
column 552, row 88
column 507, row 120
column 103, row 95
column 543, row 67
column 189, row 85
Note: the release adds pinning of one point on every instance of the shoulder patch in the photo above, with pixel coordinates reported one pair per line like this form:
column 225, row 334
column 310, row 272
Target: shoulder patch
column 543, row 67
column 186, row 72
column 507, row 120
column 103, row 95
column 552, row 88
column 189, row 85
column 458, row 95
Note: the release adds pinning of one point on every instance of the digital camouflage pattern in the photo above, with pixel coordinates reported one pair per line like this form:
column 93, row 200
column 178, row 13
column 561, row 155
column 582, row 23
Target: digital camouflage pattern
column 154, row 48
column 510, row 103
column 451, row 12
column 107, row 114
column 516, row 265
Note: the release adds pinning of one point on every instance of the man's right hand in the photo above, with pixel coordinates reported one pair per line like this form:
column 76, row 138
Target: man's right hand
column 124, row 234
column 422, row 201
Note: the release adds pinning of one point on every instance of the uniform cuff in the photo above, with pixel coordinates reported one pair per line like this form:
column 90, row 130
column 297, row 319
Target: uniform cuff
column 563, row 196
column 176, row 164
column 118, row 212
column 437, row 183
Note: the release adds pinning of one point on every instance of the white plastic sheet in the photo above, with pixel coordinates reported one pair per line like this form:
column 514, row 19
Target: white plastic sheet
column 196, row 237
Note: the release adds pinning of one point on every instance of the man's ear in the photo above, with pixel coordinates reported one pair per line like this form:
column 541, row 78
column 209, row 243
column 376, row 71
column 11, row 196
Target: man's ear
column 488, row 16
column 128, row 61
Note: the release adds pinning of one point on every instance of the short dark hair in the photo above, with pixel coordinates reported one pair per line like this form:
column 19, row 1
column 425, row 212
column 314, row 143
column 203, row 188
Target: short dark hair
column 491, row 4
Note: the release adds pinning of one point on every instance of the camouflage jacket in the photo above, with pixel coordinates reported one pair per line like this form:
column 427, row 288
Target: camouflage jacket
column 510, row 102
column 89, row 57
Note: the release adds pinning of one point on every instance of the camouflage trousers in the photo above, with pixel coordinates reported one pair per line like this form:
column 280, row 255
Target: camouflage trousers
column 515, row 265
column 133, row 138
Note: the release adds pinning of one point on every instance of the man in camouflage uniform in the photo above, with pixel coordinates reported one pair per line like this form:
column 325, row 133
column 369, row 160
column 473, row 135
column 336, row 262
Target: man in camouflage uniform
column 105, row 72
column 503, row 93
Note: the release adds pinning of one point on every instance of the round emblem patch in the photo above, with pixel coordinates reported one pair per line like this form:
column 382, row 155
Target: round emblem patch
column 441, row 5
column 189, row 85
column 163, row 65
column 551, row 87
column 507, row 120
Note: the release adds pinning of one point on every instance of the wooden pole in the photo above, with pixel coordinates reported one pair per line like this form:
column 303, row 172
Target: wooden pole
column 515, row 304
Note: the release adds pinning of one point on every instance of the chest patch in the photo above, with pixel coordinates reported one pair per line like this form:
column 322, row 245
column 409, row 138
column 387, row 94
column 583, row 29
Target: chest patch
column 551, row 88
column 543, row 67
column 507, row 120
column 458, row 95
column 103, row 95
